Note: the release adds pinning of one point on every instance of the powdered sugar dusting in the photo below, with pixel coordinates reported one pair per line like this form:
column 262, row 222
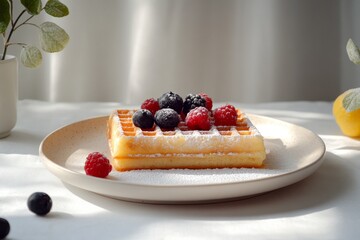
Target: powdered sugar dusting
column 194, row 177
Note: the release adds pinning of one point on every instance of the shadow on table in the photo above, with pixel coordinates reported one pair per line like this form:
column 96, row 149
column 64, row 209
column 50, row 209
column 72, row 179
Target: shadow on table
column 316, row 193
column 25, row 142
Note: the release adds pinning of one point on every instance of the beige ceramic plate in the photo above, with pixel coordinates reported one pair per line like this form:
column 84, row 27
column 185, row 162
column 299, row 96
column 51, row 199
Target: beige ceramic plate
column 293, row 154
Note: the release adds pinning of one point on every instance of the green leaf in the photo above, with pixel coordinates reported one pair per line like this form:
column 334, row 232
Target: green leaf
column 33, row 7
column 353, row 51
column 4, row 15
column 56, row 9
column 30, row 57
column 53, row 37
column 351, row 101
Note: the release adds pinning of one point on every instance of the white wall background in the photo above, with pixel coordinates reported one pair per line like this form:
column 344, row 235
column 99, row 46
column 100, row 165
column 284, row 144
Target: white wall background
column 245, row 50
column 350, row 28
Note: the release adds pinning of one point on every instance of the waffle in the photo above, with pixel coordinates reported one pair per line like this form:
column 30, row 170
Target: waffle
column 220, row 147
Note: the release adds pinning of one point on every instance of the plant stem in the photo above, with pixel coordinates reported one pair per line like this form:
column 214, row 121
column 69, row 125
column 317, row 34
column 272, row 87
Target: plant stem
column 25, row 22
column 4, row 43
column 13, row 28
column 11, row 12
column 16, row 43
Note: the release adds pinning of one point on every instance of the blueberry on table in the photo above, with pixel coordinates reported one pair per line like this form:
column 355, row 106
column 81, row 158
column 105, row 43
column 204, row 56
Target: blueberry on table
column 39, row 203
column 4, row 228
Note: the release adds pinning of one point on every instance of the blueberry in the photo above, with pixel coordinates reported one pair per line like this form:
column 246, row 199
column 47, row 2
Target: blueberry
column 167, row 118
column 39, row 203
column 192, row 101
column 171, row 100
column 4, row 228
column 143, row 118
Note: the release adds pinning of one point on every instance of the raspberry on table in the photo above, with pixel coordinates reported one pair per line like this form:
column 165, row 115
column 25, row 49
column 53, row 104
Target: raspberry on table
column 198, row 119
column 192, row 101
column 167, row 118
column 97, row 165
column 39, row 203
column 143, row 119
column 171, row 100
column 208, row 100
column 225, row 115
column 151, row 104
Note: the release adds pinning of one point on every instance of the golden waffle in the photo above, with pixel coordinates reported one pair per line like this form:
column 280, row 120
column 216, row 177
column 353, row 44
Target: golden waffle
column 220, row 147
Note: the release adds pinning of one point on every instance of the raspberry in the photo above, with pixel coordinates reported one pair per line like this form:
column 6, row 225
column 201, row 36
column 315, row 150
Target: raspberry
column 39, row 203
column 192, row 101
column 198, row 119
column 151, row 104
column 167, row 118
column 143, row 118
column 171, row 100
column 225, row 115
column 208, row 100
column 4, row 228
column 97, row 165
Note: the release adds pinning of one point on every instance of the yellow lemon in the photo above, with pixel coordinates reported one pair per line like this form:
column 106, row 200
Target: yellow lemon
column 346, row 111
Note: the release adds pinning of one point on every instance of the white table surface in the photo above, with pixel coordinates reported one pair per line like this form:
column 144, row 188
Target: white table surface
column 325, row 205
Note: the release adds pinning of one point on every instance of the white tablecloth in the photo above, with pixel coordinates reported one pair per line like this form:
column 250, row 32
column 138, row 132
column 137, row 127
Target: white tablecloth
column 325, row 205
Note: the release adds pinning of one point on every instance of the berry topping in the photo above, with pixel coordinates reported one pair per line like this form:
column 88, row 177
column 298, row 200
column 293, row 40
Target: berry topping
column 171, row 100
column 39, row 203
column 151, row 104
column 208, row 100
column 225, row 115
column 167, row 118
column 192, row 101
column 198, row 119
column 97, row 165
column 143, row 118
column 4, row 228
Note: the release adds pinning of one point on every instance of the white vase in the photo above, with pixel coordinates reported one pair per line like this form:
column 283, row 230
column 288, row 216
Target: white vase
column 8, row 94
